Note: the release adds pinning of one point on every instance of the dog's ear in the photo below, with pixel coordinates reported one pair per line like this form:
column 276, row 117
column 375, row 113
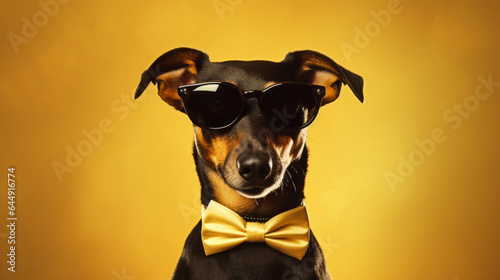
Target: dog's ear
column 315, row 68
column 171, row 70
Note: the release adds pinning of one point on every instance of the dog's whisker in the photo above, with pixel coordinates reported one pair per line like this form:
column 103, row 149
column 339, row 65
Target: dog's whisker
column 294, row 187
column 294, row 169
column 291, row 180
column 310, row 139
column 302, row 169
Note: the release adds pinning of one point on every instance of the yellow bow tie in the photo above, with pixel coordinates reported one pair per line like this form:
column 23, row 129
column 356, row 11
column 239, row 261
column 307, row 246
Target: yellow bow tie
column 223, row 229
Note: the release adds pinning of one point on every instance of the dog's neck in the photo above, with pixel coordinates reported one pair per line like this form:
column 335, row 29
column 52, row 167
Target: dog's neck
column 288, row 196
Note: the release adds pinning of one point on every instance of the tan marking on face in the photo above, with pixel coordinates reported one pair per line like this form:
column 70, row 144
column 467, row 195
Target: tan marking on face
column 227, row 196
column 288, row 148
column 204, row 149
column 214, row 151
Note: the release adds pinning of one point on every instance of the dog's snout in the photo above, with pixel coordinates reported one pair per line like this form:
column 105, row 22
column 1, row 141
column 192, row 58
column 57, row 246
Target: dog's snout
column 254, row 167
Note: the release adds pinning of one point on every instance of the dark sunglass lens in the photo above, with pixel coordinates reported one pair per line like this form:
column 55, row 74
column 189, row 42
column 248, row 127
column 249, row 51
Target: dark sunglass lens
column 214, row 105
column 289, row 106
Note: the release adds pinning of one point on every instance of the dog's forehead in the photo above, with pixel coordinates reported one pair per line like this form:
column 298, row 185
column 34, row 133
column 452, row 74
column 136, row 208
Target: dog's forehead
column 248, row 75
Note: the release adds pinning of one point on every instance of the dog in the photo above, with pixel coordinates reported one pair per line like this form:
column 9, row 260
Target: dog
column 249, row 120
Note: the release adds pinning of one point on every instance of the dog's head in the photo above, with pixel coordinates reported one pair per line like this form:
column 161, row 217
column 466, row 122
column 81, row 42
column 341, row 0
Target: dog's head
column 249, row 157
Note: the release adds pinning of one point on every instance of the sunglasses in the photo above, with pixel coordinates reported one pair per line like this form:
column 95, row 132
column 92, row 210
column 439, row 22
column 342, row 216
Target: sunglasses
column 219, row 105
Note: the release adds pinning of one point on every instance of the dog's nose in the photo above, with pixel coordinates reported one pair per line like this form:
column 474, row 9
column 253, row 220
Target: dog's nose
column 254, row 167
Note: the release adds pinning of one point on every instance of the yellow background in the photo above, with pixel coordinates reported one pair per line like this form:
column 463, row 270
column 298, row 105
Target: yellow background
column 127, row 208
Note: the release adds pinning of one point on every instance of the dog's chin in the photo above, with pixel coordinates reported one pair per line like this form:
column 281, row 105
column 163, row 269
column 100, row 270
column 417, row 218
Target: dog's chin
column 255, row 193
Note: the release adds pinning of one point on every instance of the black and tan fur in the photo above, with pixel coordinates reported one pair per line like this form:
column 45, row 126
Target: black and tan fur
column 215, row 154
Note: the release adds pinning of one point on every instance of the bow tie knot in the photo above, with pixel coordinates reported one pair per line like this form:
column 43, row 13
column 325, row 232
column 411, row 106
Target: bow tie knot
column 223, row 229
column 256, row 232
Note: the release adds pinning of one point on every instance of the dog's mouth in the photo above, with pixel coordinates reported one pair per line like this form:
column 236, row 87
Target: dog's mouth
column 255, row 193
column 252, row 191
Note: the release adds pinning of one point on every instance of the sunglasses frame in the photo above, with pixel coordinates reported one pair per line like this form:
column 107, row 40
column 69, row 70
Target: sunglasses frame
column 185, row 91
